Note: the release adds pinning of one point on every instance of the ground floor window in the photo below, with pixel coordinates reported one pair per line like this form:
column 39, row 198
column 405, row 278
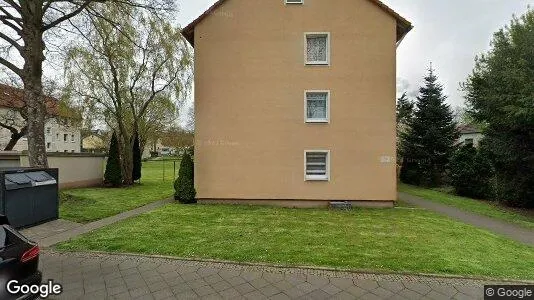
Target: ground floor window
column 317, row 164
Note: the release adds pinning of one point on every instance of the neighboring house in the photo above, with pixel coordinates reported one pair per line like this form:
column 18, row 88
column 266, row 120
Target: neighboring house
column 295, row 101
column 60, row 134
column 152, row 147
column 469, row 134
column 94, row 144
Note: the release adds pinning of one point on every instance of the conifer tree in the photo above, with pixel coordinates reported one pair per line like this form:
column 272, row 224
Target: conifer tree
column 113, row 175
column 184, row 185
column 428, row 143
column 136, row 170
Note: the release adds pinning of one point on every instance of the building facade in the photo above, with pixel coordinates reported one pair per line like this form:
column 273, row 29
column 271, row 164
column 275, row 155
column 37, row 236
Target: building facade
column 61, row 133
column 295, row 102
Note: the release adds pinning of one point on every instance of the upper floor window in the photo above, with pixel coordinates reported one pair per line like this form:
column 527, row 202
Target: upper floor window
column 318, row 48
column 72, row 138
column 317, row 105
column 65, row 137
column 48, row 129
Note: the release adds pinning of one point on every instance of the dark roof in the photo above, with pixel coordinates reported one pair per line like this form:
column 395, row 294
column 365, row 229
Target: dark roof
column 403, row 25
column 465, row 129
column 12, row 97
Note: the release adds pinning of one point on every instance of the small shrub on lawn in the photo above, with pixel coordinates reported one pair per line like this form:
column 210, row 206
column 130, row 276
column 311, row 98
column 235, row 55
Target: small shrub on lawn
column 113, row 174
column 184, row 186
column 136, row 171
column 471, row 173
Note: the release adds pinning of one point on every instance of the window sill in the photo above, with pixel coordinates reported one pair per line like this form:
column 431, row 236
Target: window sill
column 318, row 63
column 317, row 121
column 317, row 178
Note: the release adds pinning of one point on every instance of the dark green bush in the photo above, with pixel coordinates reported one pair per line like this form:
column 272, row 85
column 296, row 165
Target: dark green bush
column 184, row 186
column 113, row 174
column 136, row 171
column 471, row 173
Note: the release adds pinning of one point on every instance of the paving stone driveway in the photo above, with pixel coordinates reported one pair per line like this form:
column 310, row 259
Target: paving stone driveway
column 106, row 276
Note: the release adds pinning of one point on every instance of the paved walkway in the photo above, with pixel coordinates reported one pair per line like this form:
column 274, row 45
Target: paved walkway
column 512, row 231
column 58, row 231
column 107, row 276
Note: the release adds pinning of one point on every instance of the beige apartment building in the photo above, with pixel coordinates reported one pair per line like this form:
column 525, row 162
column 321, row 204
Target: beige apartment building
column 295, row 101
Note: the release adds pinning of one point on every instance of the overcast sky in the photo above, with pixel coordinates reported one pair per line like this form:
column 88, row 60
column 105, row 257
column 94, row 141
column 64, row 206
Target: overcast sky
column 448, row 33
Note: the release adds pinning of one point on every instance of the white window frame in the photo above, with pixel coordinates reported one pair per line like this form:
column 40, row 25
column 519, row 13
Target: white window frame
column 328, row 47
column 300, row 2
column 317, row 121
column 317, row 177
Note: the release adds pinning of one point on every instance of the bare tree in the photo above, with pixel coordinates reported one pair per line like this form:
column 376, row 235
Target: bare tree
column 23, row 24
column 128, row 72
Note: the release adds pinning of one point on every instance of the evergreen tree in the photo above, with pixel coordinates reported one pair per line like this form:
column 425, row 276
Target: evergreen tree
column 500, row 95
column 404, row 110
column 113, row 175
column 184, row 185
column 136, row 171
column 429, row 141
column 471, row 172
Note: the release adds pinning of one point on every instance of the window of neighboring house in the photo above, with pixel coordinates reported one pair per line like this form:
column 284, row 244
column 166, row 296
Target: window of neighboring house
column 317, row 106
column 317, row 165
column 469, row 142
column 66, row 151
column 48, row 145
column 65, row 137
column 72, row 151
column 72, row 138
column 317, row 48
column 48, row 129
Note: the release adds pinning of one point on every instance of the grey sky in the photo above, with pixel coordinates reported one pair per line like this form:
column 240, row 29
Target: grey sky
column 447, row 33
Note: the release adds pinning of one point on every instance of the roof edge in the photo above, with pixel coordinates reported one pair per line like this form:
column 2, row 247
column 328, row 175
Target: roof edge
column 403, row 26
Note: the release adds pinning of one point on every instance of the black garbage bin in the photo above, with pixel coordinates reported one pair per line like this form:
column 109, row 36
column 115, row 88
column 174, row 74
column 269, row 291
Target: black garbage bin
column 29, row 196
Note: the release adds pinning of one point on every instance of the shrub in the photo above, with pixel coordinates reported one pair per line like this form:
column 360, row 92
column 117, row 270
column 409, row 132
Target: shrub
column 471, row 173
column 113, row 174
column 136, row 171
column 184, row 186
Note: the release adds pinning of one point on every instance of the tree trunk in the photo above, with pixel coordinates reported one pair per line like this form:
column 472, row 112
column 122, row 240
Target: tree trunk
column 32, row 34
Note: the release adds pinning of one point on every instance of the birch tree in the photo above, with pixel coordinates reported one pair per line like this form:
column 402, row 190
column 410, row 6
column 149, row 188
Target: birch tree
column 127, row 71
column 23, row 25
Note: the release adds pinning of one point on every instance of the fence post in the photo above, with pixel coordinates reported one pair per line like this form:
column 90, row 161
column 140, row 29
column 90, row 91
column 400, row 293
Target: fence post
column 174, row 171
column 163, row 169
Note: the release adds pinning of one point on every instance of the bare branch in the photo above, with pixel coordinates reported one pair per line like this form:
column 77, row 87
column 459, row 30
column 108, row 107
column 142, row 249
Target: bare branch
column 68, row 16
column 11, row 66
column 11, row 41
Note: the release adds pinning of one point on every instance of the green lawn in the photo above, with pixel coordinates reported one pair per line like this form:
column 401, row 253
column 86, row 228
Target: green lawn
column 89, row 204
column 471, row 205
column 401, row 239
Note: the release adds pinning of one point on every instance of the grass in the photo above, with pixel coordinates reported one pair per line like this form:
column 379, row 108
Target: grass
column 90, row 204
column 400, row 239
column 471, row 205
